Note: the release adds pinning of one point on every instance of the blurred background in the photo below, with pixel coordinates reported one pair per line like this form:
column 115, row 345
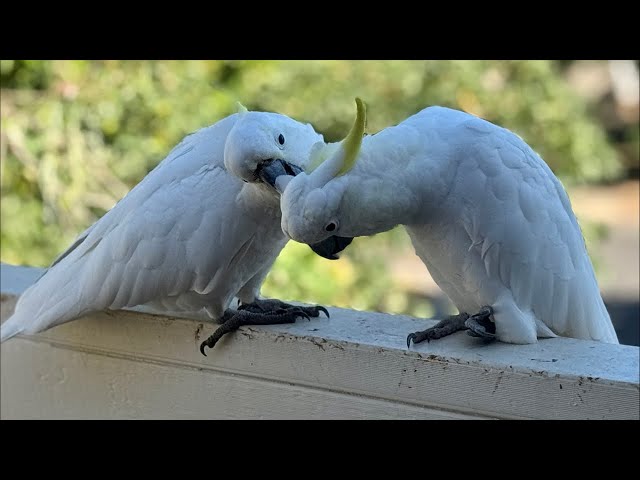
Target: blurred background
column 75, row 136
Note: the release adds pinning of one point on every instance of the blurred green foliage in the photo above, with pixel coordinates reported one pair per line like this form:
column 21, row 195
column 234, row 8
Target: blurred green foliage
column 76, row 135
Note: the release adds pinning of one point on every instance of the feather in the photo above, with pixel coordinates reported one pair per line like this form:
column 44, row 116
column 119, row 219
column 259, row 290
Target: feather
column 180, row 239
column 484, row 212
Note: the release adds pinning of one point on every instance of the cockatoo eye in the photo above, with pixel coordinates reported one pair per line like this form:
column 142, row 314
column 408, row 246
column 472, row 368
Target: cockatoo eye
column 331, row 226
column 281, row 139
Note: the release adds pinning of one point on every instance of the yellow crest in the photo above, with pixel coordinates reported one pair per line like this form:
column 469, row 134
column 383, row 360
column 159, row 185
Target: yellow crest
column 353, row 141
column 241, row 108
column 319, row 153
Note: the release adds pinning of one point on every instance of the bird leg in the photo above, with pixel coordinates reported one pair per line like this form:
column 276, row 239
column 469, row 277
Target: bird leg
column 260, row 312
column 478, row 325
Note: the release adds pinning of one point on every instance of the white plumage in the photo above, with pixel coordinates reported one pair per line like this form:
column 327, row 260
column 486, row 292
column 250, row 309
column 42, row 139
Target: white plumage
column 485, row 213
column 186, row 240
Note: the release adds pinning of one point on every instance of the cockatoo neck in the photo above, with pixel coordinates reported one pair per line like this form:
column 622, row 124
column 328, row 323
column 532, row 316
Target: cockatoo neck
column 259, row 200
column 374, row 196
column 392, row 183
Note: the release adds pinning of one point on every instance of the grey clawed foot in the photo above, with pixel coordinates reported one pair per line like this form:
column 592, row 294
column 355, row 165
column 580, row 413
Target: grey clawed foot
column 245, row 317
column 443, row 328
column 260, row 312
column 276, row 306
column 480, row 324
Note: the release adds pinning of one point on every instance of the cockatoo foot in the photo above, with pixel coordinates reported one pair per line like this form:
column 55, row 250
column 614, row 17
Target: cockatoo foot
column 443, row 328
column 480, row 325
column 260, row 312
column 273, row 306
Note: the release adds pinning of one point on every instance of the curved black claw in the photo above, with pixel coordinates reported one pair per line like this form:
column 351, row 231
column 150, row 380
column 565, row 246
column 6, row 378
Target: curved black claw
column 308, row 312
column 299, row 312
column 218, row 334
column 480, row 325
column 419, row 337
column 475, row 329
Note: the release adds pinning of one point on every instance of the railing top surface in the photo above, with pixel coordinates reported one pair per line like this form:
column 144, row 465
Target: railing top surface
column 565, row 357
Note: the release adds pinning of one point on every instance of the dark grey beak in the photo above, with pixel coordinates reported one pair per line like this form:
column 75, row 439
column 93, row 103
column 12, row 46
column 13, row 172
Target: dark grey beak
column 330, row 246
column 271, row 169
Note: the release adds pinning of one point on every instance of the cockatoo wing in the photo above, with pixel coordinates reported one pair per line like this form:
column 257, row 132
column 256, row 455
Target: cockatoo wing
column 174, row 235
column 521, row 223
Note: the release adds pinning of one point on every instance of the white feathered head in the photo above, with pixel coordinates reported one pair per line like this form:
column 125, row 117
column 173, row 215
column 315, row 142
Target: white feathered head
column 264, row 145
column 308, row 202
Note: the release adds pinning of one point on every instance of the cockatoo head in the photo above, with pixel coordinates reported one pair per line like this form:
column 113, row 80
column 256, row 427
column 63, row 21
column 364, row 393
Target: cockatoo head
column 310, row 203
column 262, row 146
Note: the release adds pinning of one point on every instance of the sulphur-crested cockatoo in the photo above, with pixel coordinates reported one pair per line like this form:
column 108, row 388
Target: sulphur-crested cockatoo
column 188, row 238
column 485, row 214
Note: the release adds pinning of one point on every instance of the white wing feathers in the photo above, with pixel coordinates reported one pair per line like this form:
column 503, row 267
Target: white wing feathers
column 519, row 218
column 150, row 244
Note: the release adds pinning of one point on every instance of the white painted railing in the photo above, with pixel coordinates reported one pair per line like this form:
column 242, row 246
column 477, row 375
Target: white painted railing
column 354, row 365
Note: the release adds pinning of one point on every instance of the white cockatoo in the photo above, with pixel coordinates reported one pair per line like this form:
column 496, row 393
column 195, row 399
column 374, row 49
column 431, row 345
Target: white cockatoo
column 188, row 238
column 486, row 215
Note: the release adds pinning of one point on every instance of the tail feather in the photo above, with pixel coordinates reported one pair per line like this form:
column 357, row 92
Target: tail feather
column 603, row 330
column 12, row 327
column 45, row 304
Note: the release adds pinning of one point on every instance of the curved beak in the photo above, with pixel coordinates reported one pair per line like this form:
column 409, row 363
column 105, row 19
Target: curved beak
column 331, row 246
column 269, row 170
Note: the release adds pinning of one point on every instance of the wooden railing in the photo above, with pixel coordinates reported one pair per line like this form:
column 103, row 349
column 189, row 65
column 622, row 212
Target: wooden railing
column 353, row 366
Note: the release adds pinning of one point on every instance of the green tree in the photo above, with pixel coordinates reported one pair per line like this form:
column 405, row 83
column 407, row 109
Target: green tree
column 76, row 135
